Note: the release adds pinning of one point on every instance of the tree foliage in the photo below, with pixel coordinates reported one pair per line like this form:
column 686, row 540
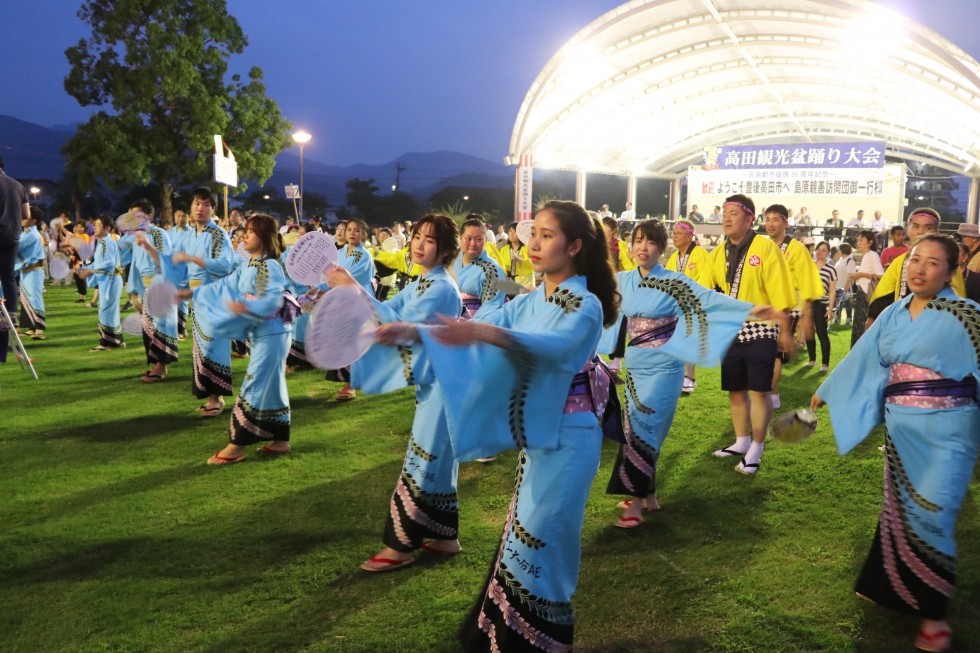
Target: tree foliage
column 160, row 67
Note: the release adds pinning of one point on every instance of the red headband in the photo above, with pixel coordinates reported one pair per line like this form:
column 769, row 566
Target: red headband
column 741, row 206
column 925, row 215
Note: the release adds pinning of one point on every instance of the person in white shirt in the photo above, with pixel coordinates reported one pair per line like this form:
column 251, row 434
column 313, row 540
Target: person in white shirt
column 629, row 213
column 803, row 219
column 397, row 232
column 880, row 228
column 857, row 221
column 866, row 280
column 715, row 217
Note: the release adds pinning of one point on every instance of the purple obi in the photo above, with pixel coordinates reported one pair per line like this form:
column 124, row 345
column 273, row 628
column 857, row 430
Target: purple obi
column 471, row 304
column 909, row 385
column 593, row 390
column 650, row 332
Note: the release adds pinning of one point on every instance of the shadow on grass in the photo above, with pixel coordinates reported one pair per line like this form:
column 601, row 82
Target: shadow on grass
column 128, row 430
column 317, row 536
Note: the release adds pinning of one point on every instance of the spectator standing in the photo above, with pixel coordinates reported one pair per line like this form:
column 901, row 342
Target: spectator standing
column 14, row 211
column 970, row 236
column 898, row 246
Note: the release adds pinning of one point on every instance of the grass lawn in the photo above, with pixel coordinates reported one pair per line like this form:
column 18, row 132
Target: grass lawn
column 116, row 536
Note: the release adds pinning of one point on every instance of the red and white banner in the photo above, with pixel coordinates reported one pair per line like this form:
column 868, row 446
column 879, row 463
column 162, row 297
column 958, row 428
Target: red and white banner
column 525, row 175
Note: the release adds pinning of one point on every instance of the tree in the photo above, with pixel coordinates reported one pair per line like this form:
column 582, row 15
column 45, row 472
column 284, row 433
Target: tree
column 161, row 68
column 362, row 195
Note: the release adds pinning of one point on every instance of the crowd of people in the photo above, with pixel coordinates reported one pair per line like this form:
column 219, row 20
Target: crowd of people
column 501, row 340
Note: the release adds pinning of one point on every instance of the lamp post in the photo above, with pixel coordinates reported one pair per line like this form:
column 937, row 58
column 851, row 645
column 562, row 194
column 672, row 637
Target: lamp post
column 301, row 137
column 34, row 191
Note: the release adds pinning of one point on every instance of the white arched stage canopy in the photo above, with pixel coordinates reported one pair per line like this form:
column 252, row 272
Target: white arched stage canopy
column 646, row 87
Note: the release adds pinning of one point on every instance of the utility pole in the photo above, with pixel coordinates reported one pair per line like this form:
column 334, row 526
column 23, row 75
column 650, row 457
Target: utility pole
column 399, row 169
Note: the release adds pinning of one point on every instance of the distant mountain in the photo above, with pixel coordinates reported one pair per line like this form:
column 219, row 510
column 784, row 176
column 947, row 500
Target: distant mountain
column 423, row 174
column 32, row 151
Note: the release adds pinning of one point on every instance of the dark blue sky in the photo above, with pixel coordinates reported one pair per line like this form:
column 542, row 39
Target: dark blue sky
column 373, row 79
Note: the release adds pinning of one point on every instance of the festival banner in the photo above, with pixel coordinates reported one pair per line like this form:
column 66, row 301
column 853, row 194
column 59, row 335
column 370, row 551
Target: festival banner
column 525, row 174
column 832, row 182
column 797, row 156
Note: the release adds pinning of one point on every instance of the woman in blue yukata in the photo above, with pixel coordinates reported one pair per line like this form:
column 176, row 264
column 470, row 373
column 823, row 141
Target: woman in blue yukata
column 916, row 369
column 670, row 320
column 29, row 264
column 248, row 304
column 159, row 333
column 424, row 504
column 476, row 273
column 107, row 277
column 536, row 344
column 354, row 258
column 297, row 359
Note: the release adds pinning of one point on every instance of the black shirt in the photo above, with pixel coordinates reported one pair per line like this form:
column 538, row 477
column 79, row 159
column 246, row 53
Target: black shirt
column 13, row 197
column 734, row 254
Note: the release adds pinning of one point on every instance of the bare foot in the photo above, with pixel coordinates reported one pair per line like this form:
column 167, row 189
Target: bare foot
column 387, row 559
column 442, row 547
column 230, row 455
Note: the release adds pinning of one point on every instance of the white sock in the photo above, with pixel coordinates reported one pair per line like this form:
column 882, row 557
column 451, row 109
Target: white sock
column 742, row 443
column 754, row 454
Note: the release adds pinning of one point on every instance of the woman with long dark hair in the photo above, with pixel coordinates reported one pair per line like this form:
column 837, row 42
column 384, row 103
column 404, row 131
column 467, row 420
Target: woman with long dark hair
column 537, row 352
column 424, row 504
column 823, row 308
column 865, row 281
column 917, row 369
column 247, row 305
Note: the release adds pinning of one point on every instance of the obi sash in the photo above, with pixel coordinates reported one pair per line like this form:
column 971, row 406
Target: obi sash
column 650, row 332
column 471, row 304
column 909, row 385
column 593, row 390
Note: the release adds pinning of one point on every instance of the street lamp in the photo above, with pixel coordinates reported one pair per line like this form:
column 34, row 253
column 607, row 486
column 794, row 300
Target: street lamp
column 301, row 137
column 34, row 191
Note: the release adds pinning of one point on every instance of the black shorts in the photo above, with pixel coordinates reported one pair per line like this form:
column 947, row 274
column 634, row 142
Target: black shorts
column 749, row 366
column 793, row 323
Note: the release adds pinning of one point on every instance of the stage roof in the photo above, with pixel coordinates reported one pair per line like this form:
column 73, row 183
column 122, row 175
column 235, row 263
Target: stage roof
column 646, row 87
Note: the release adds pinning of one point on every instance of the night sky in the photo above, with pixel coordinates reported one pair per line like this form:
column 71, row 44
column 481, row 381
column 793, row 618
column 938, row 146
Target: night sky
column 374, row 79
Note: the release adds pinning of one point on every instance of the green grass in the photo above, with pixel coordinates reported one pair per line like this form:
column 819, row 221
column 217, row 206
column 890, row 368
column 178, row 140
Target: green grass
column 115, row 536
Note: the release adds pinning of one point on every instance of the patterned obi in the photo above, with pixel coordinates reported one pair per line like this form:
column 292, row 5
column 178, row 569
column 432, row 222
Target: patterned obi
column 287, row 312
column 919, row 387
column 194, row 283
column 590, row 389
column 471, row 304
column 147, row 281
column 650, row 332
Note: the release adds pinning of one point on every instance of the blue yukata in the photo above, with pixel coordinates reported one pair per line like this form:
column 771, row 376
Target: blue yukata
column 670, row 320
column 261, row 411
column 477, row 282
column 30, row 265
column 297, row 348
column 424, row 503
column 920, row 377
column 126, row 243
column 526, row 396
column 212, row 354
column 359, row 263
column 159, row 333
column 177, row 236
column 108, row 278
